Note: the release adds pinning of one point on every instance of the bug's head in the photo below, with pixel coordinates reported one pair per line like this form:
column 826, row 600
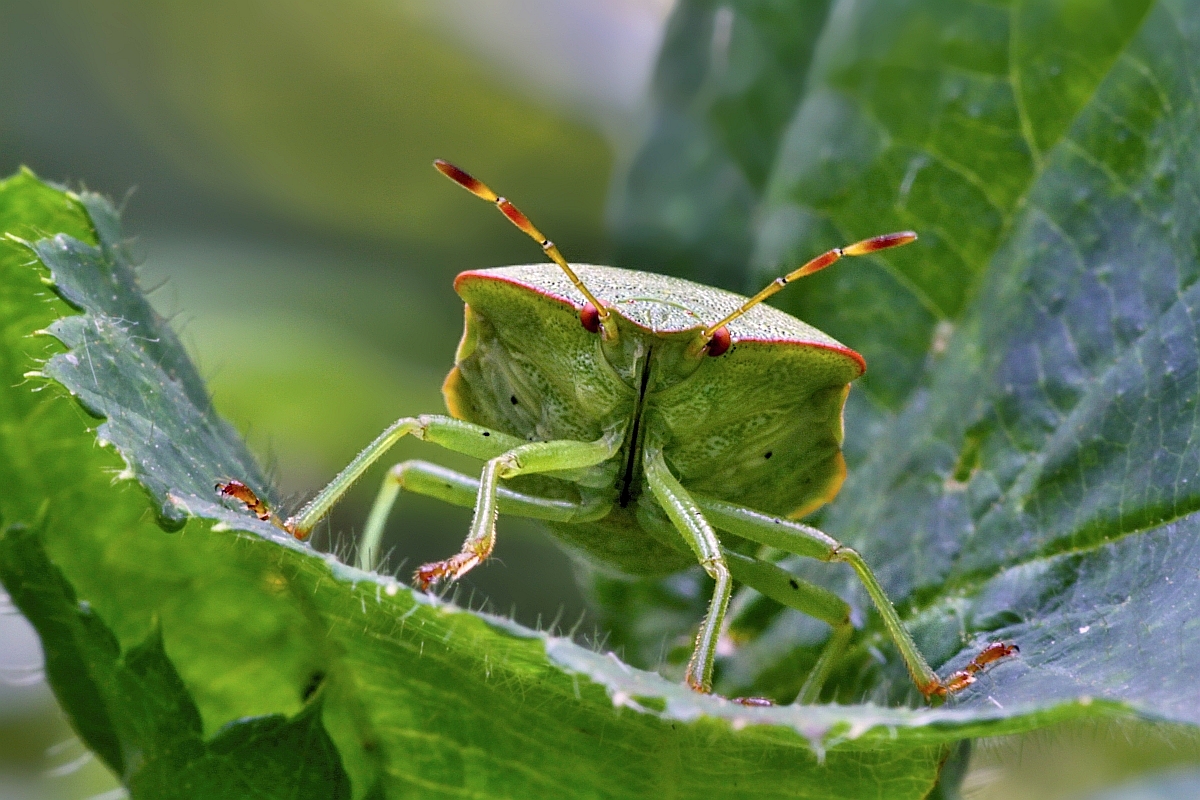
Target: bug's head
column 597, row 317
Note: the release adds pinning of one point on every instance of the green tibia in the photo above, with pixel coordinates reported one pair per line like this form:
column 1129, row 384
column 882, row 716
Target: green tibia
column 699, row 535
column 786, row 589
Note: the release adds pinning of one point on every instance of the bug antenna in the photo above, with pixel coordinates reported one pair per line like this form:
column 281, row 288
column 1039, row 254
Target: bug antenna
column 865, row 247
column 481, row 190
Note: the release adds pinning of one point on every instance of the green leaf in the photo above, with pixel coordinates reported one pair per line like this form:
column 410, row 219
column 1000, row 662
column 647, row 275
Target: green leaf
column 416, row 694
column 1064, row 400
column 135, row 713
column 935, row 115
column 939, row 117
column 1024, row 466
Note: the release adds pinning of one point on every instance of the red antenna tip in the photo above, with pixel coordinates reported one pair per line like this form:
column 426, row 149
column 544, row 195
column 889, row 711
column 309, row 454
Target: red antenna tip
column 876, row 243
column 463, row 179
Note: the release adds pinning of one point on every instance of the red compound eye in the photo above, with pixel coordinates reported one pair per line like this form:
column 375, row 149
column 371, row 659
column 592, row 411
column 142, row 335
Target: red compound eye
column 589, row 317
column 720, row 342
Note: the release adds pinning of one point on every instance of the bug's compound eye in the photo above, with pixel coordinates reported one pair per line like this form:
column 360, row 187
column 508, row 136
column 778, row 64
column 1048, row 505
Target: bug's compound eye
column 720, row 342
column 589, row 317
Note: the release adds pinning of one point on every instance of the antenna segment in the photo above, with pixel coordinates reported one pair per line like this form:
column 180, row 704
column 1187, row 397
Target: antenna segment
column 865, row 247
column 480, row 190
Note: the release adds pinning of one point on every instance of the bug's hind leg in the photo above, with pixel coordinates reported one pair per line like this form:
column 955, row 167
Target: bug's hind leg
column 431, row 480
column 782, row 587
column 795, row 537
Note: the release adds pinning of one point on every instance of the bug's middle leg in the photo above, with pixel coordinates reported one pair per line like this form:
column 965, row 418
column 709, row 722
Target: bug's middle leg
column 432, row 480
column 534, row 457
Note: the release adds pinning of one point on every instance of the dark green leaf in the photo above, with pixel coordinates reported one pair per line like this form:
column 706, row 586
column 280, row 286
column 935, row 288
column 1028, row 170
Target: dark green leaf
column 728, row 77
column 1023, row 441
column 1073, row 378
column 937, row 117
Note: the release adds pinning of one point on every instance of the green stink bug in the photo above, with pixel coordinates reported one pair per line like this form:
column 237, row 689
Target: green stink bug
column 635, row 414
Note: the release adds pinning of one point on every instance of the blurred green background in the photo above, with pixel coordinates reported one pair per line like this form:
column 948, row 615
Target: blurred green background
column 275, row 164
column 275, row 160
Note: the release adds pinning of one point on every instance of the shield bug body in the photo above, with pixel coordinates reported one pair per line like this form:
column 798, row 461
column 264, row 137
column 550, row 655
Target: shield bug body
column 637, row 415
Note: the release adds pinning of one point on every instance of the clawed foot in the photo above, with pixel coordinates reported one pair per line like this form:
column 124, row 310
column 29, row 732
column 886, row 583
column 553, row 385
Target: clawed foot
column 452, row 568
column 239, row 491
column 965, row 677
column 700, row 688
column 751, row 702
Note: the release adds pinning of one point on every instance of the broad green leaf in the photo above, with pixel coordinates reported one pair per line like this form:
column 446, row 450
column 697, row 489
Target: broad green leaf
column 1042, row 490
column 937, row 116
column 1023, row 440
column 417, row 695
column 881, row 115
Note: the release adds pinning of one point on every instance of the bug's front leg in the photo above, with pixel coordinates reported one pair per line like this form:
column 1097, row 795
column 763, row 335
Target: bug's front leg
column 453, row 434
column 534, row 457
column 698, row 533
